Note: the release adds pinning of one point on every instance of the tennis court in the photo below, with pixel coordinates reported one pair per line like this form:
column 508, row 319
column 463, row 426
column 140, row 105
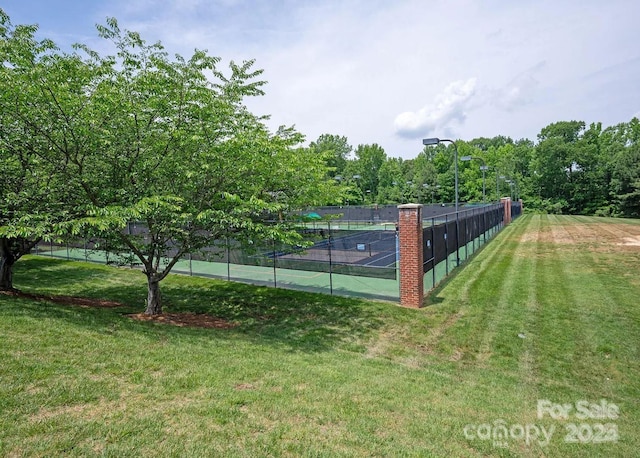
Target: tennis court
column 306, row 280
column 373, row 248
column 346, row 257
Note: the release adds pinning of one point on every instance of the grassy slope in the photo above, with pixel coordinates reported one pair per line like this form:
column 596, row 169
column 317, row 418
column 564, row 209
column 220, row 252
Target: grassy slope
column 314, row 375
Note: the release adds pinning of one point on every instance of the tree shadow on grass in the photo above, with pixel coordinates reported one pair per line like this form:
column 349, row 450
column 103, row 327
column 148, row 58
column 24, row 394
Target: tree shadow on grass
column 297, row 321
column 303, row 321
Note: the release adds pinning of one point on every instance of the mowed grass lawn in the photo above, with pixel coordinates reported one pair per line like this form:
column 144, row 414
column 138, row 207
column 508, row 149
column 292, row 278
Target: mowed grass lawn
column 547, row 313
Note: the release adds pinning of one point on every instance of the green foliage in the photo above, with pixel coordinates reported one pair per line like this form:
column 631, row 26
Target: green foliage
column 573, row 168
column 369, row 160
column 90, row 142
column 140, row 136
column 391, row 182
column 335, row 150
column 32, row 194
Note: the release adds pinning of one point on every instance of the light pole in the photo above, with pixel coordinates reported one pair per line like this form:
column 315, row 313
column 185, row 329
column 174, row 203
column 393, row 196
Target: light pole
column 514, row 188
column 502, row 177
column 433, row 188
column 435, row 141
column 510, row 188
column 484, row 168
column 356, row 179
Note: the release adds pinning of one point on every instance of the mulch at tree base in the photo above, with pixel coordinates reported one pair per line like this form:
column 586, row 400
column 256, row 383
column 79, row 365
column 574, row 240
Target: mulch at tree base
column 186, row 319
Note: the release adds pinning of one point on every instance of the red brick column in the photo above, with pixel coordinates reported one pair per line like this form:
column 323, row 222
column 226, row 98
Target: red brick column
column 506, row 201
column 410, row 240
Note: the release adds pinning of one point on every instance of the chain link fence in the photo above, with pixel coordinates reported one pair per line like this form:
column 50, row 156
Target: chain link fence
column 354, row 250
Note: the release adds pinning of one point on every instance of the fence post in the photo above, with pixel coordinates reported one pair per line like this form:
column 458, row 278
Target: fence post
column 275, row 256
column 330, row 260
column 457, row 239
column 411, row 237
column 484, row 226
column 506, row 202
column 446, row 245
column 433, row 271
column 228, row 260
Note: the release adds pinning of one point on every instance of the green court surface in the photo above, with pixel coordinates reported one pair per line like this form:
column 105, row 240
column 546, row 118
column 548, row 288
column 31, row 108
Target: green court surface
column 321, row 282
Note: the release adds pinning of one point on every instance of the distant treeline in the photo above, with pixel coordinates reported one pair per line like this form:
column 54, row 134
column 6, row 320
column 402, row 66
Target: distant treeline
column 570, row 168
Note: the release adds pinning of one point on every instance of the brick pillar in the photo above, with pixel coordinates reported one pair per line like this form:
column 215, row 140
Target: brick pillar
column 410, row 240
column 506, row 201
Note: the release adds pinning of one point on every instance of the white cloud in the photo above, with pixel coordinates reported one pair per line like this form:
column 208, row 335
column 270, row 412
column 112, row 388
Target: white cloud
column 348, row 67
column 450, row 105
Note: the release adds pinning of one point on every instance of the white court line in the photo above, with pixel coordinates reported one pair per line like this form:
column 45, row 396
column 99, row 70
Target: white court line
column 383, row 257
column 247, row 269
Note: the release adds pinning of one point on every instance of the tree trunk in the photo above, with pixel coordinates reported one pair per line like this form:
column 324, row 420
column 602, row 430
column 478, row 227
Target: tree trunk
column 6, row 273
column 7, row 260
column 154, row 303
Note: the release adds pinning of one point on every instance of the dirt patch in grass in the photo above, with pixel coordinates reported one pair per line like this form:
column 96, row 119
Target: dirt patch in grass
column 630, row 241
column 190, row 320
column 245, row 386
column 64, row 300
column 625, row 237
column 78, row 410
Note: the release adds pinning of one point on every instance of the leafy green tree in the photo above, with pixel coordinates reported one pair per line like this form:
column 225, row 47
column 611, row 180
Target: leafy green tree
column 570, row 171
column 390, row 181
column 351, row 179
column 555, row 162
column 588, row 178
column 19, row 202
column 621, row 146
column 170, row 143
column 31, row 191
column 26, row 190
column 424, row 176
column 442, row 157
column 369, row 160
column 335, row 149
column 523, row 154
column 484, row 143
column 470, row 175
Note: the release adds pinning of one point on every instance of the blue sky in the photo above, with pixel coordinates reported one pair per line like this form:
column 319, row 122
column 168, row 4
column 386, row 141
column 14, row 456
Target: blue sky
column 392, row 72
